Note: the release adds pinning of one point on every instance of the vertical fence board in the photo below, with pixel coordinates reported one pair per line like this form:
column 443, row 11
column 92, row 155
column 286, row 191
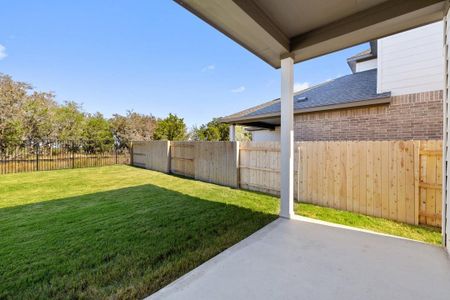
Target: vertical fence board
column 370, row 179
column 355, row 176
column 336, row 171
column 343, row 172
column 385, row 179
column 438, row 198
column 409, row 183
column 422, row 191
column 401, row 182
column 363, row 177
column 393, row 180
column 349, row 173
column 377, row 189
column 431, row 193
column 417, row 182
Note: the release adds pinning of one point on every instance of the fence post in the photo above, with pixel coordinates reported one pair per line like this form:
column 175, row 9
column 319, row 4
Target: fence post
column 416, row 182
column 237, row 163
column 131, row 153
column 169, row 156
column 37, row 157
column 73, row 154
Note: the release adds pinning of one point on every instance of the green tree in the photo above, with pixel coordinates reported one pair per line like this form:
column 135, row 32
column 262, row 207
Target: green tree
column 132, row 127
column 69, row 121
column 97, row 135
column 12, row 97
column 212, row 131
column 38, row 116
column 243, row 135
column 216, row 131
column 171, row 128
column 33, row 116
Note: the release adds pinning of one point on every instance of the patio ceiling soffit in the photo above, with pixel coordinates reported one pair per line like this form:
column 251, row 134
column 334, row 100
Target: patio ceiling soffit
column 305, row 29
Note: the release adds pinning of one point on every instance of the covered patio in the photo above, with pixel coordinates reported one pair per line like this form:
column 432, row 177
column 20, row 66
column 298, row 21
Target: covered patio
column 285, row 32
column 292, row 258
column 306, row 259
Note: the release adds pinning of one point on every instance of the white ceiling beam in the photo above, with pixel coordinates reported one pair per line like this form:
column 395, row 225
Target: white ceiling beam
column 367, row 25
column 256, row 13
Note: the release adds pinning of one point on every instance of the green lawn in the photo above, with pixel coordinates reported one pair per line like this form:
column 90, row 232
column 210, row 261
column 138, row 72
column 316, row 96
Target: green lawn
column 122, row 232
column 421, row 233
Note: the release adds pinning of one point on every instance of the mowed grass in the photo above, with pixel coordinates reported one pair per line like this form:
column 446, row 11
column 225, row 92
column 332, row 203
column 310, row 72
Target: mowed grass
column 115, row 232
column 425, row 234
column 121, row 232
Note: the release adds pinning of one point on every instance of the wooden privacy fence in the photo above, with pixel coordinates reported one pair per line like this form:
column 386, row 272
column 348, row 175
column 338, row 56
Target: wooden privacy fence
column 152, row 155
column 215, row 162
column 182, row 158
column 372, row 178
column 397, row 180
column 430, row 183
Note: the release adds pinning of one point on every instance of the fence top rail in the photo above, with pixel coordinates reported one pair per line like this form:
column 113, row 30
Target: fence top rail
column 152, row 141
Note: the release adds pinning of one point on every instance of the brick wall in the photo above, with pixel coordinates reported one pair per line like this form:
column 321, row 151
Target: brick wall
column 413, row 116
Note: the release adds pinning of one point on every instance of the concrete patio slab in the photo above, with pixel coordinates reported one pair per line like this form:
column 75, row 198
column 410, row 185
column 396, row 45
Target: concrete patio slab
column 302, row 259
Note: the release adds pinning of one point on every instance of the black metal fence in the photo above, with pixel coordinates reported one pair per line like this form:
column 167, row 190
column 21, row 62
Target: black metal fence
column 32, row 156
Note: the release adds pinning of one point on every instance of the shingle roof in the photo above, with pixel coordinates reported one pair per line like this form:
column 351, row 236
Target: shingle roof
column 346, row 89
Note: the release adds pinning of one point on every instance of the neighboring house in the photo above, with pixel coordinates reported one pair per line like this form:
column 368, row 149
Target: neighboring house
column 394, row 92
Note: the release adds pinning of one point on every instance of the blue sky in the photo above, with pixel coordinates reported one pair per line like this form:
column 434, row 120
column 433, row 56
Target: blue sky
column 149, row 56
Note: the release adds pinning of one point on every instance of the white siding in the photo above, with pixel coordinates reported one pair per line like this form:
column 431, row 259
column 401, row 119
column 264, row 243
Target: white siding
column 411, row 61
column 366, row 65
column 266, row 135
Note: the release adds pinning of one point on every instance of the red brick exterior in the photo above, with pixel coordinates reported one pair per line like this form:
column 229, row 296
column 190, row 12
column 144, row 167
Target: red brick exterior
column 413, row 116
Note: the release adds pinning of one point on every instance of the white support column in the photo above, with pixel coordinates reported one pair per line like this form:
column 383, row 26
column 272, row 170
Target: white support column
column 287, row 138
column 446, row 143
column 233, row 133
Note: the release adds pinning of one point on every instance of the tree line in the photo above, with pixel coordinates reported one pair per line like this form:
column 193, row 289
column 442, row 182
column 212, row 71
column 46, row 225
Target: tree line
column 30, row 116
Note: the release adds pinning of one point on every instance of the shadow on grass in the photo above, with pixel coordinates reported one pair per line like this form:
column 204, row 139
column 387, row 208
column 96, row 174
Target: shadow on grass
column 125, row 243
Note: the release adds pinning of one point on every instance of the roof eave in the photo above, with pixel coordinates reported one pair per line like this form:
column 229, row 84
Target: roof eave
column 352, row 61
column 359, row 103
